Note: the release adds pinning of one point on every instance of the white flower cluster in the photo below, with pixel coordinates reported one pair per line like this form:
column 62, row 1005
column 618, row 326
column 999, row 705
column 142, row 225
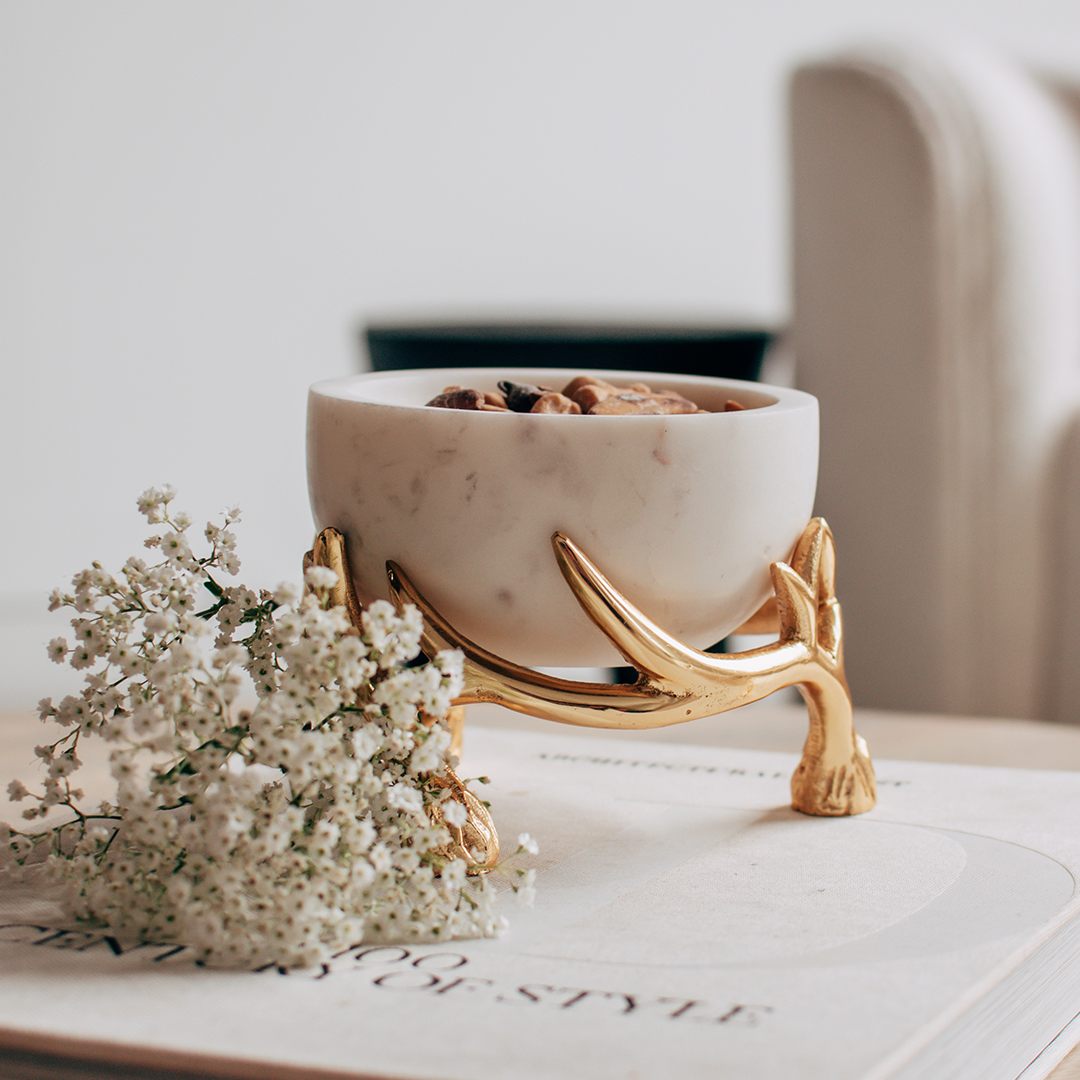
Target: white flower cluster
column 280, row 826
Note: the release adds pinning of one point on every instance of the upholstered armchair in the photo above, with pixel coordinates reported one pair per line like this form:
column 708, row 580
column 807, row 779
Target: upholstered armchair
column 936, row 218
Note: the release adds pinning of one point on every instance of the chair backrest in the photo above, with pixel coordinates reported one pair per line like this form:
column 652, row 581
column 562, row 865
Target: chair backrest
column 936, row 219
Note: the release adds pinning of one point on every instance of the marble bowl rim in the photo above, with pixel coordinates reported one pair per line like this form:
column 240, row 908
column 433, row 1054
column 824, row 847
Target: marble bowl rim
column 770, row 398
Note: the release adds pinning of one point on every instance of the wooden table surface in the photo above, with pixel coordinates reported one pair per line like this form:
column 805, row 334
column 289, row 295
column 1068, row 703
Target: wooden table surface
column 765, row 726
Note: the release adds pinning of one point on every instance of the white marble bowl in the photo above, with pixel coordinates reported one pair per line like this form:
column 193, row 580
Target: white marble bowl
column 683, row 514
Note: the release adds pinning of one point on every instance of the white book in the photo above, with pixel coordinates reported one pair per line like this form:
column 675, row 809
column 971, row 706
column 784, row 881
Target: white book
column 688, row 924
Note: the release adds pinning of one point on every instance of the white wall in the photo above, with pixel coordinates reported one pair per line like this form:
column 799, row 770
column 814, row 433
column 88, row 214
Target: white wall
column 201, row 203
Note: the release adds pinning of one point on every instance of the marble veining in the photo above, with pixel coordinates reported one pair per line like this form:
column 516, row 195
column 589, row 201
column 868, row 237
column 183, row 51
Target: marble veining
column 682, row 513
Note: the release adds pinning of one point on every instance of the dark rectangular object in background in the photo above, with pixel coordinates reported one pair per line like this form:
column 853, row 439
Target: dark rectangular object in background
column 724, row 352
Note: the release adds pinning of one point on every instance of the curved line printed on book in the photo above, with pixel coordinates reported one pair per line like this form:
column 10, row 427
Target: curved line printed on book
column 780, row 890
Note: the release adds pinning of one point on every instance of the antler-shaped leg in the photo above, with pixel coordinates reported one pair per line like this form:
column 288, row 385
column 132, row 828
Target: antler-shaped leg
column 476, row 842
column 678, row 683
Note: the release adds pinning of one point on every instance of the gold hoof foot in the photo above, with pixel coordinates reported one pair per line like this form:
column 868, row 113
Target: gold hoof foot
column 835, row 790
column 476, row 842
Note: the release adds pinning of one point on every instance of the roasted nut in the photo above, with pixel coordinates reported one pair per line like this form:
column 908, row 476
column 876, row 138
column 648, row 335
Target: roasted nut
column 733, row 406
column 583, row 380
column 520, row 397
column 592, row 394
column 552, row 402
column 625, row 404
column 582, row 394
column 675, row 403
column 587, row 390
column 454, row 397
column 631, row 402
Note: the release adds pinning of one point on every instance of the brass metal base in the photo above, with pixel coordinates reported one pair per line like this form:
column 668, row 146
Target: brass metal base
column 677, row 683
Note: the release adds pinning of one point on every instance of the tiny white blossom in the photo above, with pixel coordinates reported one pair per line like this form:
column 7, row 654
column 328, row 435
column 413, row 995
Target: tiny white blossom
column 151, row 503
column 320, row 577
column 402, row 797
column 160, row 622
column 454, row 813
column 287, row 594
column 525, row 895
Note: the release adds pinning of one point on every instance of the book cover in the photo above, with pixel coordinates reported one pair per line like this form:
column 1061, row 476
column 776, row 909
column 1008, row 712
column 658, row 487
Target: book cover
column 687, row 923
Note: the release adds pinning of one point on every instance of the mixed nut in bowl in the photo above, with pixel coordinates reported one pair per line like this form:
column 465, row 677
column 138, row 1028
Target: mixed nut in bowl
column 683, row 511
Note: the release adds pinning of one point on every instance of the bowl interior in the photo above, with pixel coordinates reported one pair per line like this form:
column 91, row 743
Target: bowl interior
column 413, row 389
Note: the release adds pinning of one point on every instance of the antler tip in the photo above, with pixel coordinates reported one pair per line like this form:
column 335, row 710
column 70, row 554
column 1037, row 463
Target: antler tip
column 396, row 578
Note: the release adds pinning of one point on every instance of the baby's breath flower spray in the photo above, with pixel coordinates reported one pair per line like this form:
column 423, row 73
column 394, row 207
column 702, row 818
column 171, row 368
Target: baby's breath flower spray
column 273, row 782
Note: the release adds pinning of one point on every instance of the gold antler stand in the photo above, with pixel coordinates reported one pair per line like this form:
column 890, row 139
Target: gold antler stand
column 678, row 683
